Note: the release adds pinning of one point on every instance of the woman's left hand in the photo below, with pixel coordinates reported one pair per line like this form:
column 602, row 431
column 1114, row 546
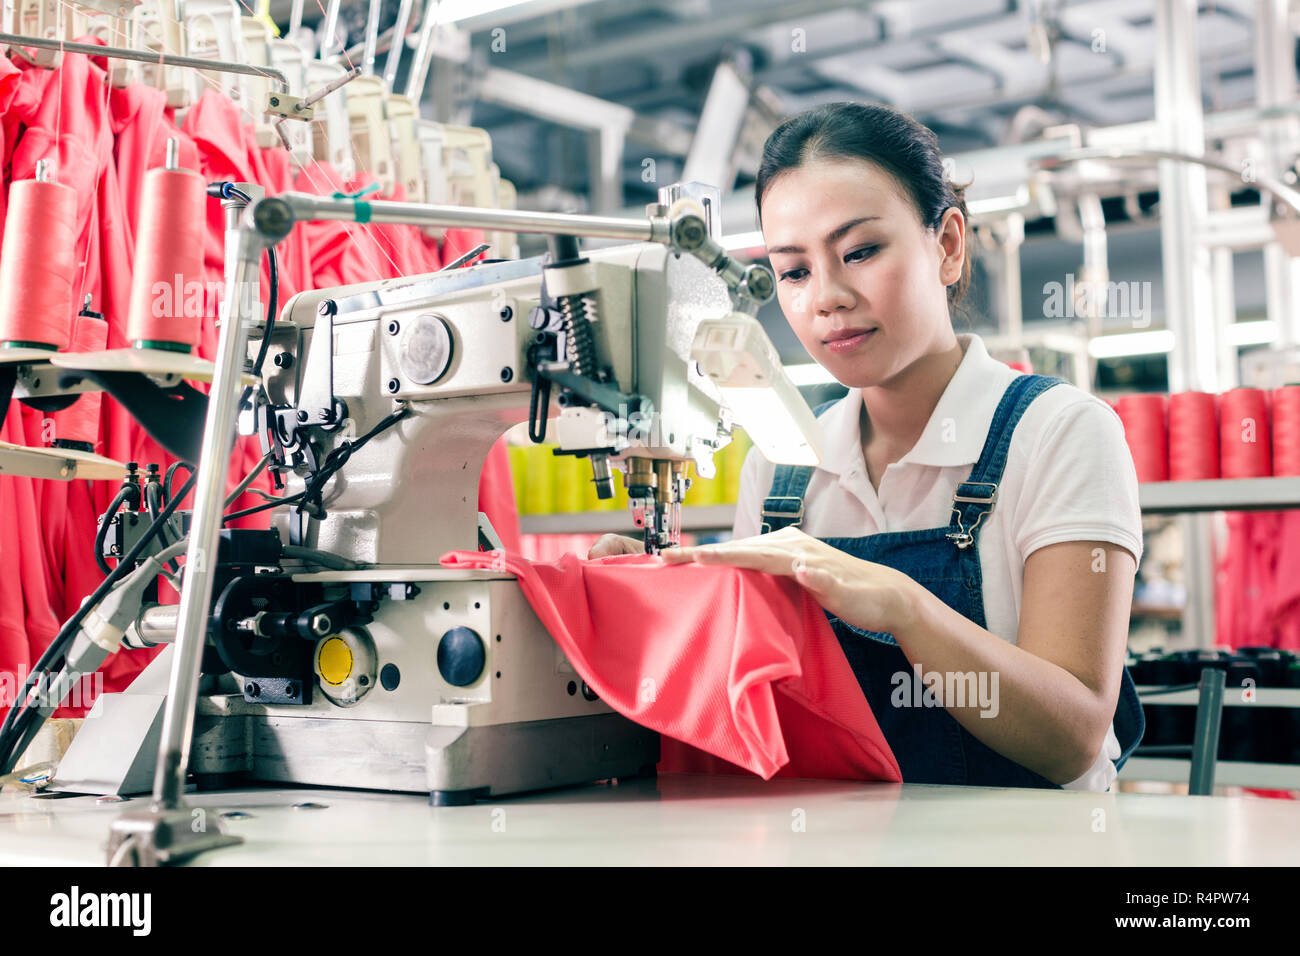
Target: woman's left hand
column 870, row 596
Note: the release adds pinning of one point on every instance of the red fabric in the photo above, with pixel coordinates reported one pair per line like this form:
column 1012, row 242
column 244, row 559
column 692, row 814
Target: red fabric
column 740, row 664
column 227, row 150
column 402, row 244
column 340, row 253
column 551, row 547
column 457, row 242
column 1257, row 581
column 60, row 115
column 496, row 496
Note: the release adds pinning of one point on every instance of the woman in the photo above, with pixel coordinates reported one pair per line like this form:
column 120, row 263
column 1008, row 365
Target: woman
column 973, row 532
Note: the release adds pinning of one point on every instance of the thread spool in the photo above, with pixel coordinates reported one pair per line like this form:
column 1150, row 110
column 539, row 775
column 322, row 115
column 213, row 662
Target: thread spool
column 77, row 426
column 518, row 468
column 1286, row 430
column 168, row 253
column 705, row 491
column 1193, row 437
column 539, row 487
column 567, row 472
column 37, row 264
column 1147, row 435
column 1245, row 445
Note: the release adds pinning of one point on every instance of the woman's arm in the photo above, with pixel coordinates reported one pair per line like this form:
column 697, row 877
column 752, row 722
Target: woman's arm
column 1057, row 687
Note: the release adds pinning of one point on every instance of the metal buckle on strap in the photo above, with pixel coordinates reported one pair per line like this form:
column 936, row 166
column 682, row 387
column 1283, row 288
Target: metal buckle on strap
column 963, row 537
column 992, row 497
column 795, row 518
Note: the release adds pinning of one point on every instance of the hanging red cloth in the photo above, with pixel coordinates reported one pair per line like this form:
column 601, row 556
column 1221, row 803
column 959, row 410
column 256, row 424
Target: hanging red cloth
column 496, row 496
column 1286, row 611
column 218, row 130
column 228, row 152
column 275, row 172
column 457, row 242
column 1257, row 581
column 403, row 245
column 15, row 653
column 61, row 115
column 739, row 664
column 10, row 77
column 341, row 253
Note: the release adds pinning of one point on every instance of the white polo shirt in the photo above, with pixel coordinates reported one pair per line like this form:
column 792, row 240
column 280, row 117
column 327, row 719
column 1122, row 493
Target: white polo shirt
column 1069, row 476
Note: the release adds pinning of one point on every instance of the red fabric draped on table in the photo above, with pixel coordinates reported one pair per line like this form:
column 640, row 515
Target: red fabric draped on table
column 739, row 664
column 102, row 141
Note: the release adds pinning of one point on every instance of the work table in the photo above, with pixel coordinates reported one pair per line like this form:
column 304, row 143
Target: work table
column 689, row 819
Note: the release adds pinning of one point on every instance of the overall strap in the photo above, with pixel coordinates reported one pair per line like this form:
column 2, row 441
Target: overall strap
column 783, row 506
column 976, row 496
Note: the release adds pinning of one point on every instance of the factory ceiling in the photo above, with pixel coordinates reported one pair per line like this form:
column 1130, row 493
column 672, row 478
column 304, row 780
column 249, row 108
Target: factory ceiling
column 980, row 73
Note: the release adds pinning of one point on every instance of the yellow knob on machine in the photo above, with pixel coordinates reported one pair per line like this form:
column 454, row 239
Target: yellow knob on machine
column 334, row 661
column 345, row 665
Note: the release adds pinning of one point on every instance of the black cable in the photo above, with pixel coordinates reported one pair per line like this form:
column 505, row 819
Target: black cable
column 228, row 190
column 167, row 481
column 273, row 274
column 55, row 655
column 537, row 429
column 152, row 493
column 334, row 461
column 102, row 532
column 155, row 501
column 263, row 507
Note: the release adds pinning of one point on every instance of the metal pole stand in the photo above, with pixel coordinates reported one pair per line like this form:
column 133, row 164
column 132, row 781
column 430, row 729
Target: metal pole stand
column 155, row 836
column 168, row 831
column 1205, row 742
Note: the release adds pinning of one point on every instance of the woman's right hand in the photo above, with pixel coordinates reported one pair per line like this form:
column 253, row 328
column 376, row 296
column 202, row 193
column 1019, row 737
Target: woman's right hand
column 608, row 544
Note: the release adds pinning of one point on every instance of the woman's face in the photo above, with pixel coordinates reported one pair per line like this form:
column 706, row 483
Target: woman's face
column 862, row 282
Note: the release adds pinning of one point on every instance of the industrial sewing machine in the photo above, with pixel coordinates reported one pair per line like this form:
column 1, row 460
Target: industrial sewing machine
column 385, row 670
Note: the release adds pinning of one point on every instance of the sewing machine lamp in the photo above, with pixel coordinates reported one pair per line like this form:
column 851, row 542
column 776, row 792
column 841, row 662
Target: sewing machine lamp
column 736, row 354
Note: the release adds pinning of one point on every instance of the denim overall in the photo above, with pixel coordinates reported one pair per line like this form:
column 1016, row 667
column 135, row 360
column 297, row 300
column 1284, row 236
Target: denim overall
column 929, row 743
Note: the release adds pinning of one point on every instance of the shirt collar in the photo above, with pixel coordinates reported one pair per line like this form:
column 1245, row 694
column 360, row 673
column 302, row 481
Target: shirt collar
column 957, row 429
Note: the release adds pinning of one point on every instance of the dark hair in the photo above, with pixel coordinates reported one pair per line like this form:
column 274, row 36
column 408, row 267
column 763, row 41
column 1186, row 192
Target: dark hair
column 905, row 149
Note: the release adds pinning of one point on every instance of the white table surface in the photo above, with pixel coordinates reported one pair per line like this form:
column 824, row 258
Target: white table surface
column 688, row 819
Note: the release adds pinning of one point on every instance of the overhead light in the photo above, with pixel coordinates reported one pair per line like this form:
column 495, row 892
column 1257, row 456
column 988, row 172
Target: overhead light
column 742, row 241
column 453, row 11
column 1158, row 341
column 1259, row 332
column 995, row 206
column 1132, row 343
column 736, row 354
